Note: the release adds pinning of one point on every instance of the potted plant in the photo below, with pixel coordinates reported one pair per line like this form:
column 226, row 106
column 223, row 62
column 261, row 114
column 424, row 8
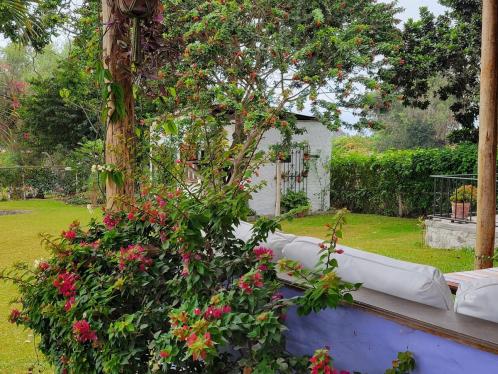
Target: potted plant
column 461, row 201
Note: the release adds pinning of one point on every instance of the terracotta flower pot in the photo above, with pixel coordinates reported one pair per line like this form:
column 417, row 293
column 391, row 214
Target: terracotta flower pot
column 460, row 210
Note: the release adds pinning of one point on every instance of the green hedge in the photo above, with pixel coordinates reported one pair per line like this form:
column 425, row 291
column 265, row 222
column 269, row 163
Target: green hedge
column 378, row 183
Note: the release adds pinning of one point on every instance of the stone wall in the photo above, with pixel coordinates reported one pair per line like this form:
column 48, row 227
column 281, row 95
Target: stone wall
column 447, row 235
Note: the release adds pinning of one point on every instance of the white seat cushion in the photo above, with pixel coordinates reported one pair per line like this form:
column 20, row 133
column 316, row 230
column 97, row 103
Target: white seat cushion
column 276, row 241
column 420, row 283
column 243, row 231
column 478, row 298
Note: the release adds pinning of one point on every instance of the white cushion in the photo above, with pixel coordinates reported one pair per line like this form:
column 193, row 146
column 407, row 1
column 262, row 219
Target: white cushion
column 276, row 241
column 478, row 298
column 420, row 283
column 243, row 231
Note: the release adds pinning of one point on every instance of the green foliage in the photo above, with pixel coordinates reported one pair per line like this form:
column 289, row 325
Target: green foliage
column 466, row 193
column 447, row 46
column 407, row 127
column 227, row 51
column 52, row 119
column 294, row 199
column 32, row 21
column 385, row 183
column 4, row 194
column 404, row 364
column 355, row 144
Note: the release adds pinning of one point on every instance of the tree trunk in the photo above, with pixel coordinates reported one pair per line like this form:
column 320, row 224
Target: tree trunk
column 486, row 192
column 120, row 137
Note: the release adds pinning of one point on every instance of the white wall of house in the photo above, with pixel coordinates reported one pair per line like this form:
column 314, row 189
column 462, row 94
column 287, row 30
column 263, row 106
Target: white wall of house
column 319, row 139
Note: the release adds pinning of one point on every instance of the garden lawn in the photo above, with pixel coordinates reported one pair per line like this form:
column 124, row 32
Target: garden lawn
column 20, row 241
column 400, row 238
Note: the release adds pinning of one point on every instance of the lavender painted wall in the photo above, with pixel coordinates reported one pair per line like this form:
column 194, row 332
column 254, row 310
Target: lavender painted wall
column 364, row 342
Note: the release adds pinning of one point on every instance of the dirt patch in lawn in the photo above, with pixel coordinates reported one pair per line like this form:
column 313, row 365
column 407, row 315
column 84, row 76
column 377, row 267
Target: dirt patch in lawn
column 12, row 212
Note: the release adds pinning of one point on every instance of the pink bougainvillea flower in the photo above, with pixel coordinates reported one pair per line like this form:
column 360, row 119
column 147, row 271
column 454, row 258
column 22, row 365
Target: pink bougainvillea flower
column 14, row 316
column 134, row 255
column 69, row 235
column 214, row 312
column 43, row 265
column 69, row 303
column 277, row 296
column 263, row 254
column 110, row 222
column 251, row 280
column 66, row 283
column 83, row 332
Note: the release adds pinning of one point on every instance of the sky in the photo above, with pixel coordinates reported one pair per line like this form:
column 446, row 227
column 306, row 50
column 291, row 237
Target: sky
column 411, row 7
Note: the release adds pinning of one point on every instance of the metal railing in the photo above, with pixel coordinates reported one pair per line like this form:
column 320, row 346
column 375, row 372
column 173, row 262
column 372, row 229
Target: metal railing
column 455, row 197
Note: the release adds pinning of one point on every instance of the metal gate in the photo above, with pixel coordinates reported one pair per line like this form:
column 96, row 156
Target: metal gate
column 295, row 170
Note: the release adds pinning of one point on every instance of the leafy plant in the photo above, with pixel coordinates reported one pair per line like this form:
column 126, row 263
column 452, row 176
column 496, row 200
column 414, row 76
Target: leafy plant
column 4, row 194
column 464, row 194
column 404, row 364
column 294, row 199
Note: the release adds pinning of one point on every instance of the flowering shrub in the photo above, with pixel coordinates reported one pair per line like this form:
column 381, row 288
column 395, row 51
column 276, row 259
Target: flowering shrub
column 167, row 286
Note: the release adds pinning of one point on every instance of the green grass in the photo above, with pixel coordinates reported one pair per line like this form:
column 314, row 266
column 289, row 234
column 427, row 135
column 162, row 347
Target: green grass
column 19, row 241
column 399, row 238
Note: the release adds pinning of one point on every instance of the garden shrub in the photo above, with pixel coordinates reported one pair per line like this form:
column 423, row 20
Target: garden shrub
column 294, row 199
column 395, row 182
column 167, row 287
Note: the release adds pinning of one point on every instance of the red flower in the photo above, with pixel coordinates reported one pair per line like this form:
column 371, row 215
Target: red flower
column 164, row 354
column 69, row 304
column 197, row 312
column 69, row 235
column 339, row 251
column 66, row 284
column 43, row 265
column 160, row 201
column 131, row 216
column 110, row 222
column 191, row 339
column 251, row 280
column 214, row 312
column 14, row 316
column 83, row 333
column 134, row 254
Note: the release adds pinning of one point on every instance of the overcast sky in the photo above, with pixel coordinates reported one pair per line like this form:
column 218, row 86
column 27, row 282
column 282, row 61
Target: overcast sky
column 411, row 7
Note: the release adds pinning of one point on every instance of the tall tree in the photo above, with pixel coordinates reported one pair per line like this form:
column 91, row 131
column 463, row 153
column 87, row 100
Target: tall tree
column 449, row 46
column 252, row 62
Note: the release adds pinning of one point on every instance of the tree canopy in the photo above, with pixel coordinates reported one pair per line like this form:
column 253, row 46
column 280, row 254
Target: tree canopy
column 449, row 46
column 32, row 22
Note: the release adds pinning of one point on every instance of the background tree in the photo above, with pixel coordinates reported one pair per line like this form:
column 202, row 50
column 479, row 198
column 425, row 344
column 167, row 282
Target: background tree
column 32, row 22
column 408, row 127
column 449, row 46
column 254, row 61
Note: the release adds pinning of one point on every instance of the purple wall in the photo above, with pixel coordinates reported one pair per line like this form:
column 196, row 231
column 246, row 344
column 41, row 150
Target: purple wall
column 365, row 342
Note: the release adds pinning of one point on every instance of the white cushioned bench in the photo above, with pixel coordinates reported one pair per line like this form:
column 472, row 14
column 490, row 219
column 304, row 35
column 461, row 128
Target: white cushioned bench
column 419, row 283
column 478, row 298
column 276, row 241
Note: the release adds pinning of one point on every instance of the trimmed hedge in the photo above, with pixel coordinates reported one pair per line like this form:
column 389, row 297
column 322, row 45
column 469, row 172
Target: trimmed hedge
column 395, row 183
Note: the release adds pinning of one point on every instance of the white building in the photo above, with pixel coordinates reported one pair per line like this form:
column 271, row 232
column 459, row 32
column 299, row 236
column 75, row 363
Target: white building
column 315, row 182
